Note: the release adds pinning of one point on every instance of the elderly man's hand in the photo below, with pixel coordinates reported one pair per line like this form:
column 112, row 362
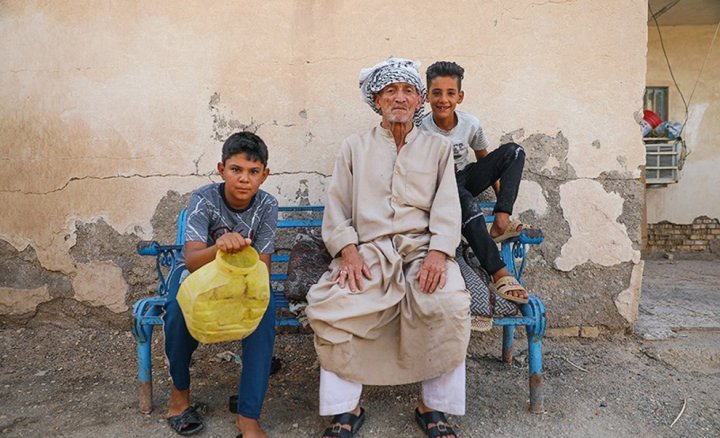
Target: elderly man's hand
column 352, row 269
column 433, row 271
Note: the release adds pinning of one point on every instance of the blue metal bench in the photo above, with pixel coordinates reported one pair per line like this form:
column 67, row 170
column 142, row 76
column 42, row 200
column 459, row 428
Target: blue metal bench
column 147, row 311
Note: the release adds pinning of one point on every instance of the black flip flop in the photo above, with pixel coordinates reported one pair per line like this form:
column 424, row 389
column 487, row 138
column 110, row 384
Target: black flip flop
column 346, row 419
column 441, row 428
column 189, row 422
column 275, row 365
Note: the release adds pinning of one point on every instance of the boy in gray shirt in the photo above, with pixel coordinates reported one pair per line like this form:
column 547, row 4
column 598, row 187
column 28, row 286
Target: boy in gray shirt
column 501, row 169
column 226, row 216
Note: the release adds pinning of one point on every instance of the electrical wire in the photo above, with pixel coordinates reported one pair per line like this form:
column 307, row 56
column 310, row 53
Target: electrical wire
column 686, row 103
column 684, row 152
column 667, row 59
column 707, row 55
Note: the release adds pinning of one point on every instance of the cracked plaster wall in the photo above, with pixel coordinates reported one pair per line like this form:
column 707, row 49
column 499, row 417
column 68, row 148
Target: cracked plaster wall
column 112, row 116
column 696, row 192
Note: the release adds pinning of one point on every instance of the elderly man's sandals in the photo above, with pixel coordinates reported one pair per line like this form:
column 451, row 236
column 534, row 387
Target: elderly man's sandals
column 509, row 283
column 336, row 430
column 441, row 428
column 189, row 422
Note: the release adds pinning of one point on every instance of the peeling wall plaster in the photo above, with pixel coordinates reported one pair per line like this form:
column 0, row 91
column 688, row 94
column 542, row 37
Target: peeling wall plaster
column 595, row 234
column 22, row 301
column 113, row 115
column 101, row 284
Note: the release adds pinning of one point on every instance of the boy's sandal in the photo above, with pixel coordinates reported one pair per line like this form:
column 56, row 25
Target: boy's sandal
column 480, row 323
column 441, row 428
column 509, row 283
column 510, row 231
column 189, row 422
column 336, row 430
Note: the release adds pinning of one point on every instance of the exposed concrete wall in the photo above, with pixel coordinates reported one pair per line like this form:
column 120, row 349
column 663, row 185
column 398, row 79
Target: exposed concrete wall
column 113, row 112
column 696, row 193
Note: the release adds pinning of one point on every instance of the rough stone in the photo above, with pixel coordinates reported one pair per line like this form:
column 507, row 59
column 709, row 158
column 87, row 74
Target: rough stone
column 632, row 192
column 583, row 296
column 99, row 242
column 70, row 313
column 546, row 168
column 26, row 284
column 21, row 301
column 22, row 270
column 164, row 220
column 530, row 197
column 627, row 301
column 589, row 332
column 545, row 155
column 101, row 284
column 595, row 236
column 562, row 332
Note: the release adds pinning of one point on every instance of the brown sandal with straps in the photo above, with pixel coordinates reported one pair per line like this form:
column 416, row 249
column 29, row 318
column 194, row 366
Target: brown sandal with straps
column 509, row 283
column 510, row 231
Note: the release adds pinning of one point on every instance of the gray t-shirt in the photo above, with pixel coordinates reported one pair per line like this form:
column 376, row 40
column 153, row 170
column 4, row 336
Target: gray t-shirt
column 466, row 135
column 209, row 216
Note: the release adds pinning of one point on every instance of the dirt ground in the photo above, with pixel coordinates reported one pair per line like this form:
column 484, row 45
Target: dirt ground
column 81, row 382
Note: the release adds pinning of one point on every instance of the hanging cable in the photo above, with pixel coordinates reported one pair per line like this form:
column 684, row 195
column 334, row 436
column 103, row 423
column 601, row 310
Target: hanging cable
column 707, row 55
column 686, row 103
column 667, row 60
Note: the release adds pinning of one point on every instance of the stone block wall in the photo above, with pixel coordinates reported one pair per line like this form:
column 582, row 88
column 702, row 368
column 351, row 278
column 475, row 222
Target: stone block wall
column 702, row 235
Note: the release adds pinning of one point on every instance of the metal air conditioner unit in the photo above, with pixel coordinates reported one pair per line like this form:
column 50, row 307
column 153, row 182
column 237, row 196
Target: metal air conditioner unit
column 664, row 158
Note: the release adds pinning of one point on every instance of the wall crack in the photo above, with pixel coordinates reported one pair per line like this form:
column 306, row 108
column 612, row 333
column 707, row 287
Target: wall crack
column 304, row 172
column 103, row 178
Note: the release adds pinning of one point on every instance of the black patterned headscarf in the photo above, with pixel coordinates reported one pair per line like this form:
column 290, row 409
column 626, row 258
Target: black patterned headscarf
column 391, row 71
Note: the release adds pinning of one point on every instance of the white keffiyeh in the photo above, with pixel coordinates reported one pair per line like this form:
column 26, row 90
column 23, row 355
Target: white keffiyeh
column 391, row 71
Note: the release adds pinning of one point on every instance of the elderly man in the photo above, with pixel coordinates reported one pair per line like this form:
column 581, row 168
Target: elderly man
column 392, row 308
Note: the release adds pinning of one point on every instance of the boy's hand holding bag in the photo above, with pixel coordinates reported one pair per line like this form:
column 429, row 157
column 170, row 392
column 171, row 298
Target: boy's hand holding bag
column 225, row 299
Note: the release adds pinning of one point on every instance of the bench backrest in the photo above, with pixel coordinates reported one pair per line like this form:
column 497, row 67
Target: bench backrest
column 278, row 278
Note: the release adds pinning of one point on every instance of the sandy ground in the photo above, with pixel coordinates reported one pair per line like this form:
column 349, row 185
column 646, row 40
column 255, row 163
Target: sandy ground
column 81, row 382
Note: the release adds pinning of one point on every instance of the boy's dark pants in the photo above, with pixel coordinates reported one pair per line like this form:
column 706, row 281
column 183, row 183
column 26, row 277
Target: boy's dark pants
column 257, row 352
column 505, row 164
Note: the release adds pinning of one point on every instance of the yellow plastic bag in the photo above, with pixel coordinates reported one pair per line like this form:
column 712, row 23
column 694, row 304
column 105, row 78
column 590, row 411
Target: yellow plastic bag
column 225, row 299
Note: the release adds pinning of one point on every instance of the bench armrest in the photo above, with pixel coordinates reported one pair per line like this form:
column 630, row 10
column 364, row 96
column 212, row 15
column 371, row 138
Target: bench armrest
column 166, row 257
column 152, row 248
column 532, row 236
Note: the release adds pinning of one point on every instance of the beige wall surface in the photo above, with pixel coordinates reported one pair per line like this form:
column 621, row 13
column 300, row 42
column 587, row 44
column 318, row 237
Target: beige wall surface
column 696, row 193
column 113, row 111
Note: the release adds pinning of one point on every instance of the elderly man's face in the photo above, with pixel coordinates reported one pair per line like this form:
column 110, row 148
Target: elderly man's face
column 398, row 102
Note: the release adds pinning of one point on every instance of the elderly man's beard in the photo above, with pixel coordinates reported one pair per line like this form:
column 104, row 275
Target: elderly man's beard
column 400, row 117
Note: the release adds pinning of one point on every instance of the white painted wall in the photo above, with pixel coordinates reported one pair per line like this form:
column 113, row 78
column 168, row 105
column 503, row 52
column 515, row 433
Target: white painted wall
column 698, row 191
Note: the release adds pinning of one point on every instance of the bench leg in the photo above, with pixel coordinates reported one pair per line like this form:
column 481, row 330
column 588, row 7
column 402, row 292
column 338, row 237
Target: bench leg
column 508, row 338
column 535, row 333
column 145, row 370
column 535, row 373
